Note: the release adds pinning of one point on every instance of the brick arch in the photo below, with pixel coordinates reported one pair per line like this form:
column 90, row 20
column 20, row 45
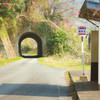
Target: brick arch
column 36, row 38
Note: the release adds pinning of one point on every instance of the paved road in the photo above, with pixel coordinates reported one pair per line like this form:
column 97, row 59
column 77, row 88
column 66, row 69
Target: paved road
column 28, row 80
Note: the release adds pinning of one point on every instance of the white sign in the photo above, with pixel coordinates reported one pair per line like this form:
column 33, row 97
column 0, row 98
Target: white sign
column 82, row 30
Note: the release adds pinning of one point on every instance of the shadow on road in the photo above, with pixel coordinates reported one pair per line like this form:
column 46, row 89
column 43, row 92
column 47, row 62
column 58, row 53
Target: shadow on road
column 86, row 86
column 34, row 90
column 30, row 56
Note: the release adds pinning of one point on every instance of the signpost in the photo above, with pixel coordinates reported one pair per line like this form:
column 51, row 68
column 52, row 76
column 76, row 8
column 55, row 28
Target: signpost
column 93, row 9
column 82, row 32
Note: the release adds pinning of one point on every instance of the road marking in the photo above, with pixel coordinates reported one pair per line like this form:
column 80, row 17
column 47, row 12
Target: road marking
column 59, row 93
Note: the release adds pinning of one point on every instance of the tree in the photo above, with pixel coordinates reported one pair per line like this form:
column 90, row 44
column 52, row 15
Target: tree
column 54, row 10
column 8, row 12
column 11, row 8
column 6, row 40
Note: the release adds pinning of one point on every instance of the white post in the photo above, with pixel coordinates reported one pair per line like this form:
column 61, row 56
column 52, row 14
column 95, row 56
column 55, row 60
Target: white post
column 99, row 59
column 82, row 54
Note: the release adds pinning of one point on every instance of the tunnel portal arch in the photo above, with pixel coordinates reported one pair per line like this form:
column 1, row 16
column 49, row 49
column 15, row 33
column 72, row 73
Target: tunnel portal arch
column 36, row 38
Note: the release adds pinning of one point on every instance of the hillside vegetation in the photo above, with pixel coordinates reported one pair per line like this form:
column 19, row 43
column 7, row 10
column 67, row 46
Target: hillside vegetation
column 64, row 40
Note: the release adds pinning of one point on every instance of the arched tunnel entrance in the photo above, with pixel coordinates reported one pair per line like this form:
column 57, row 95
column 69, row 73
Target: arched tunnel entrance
column 38, row 42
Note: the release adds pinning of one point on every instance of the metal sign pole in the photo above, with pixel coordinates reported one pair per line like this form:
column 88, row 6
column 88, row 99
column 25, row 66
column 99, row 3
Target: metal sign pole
column 82, row 54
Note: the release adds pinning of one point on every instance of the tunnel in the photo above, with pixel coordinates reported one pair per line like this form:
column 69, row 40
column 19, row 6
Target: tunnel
column 38, row 41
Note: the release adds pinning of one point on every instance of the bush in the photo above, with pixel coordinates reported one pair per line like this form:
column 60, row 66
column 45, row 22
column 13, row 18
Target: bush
column 56, row 42
column 25, row 49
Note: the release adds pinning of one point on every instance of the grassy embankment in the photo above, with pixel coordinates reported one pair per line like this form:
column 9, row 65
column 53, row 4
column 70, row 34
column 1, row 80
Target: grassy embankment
column 63, row 63
column 7, row 61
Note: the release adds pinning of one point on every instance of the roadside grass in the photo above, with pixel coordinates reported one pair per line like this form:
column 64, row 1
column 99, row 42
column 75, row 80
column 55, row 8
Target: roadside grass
column 7, row 61
column 63, row 63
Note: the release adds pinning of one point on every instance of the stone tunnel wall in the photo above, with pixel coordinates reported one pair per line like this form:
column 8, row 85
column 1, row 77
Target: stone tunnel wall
column 33, row 29
column 15, row 40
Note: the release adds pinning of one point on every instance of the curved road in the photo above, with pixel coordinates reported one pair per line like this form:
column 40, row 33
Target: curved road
column 28, row 80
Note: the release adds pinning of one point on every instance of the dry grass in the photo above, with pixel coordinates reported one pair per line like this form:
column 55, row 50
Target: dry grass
column 63, row 62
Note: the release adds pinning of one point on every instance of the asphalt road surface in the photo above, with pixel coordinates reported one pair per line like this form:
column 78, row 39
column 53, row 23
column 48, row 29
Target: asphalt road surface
column 28, row 80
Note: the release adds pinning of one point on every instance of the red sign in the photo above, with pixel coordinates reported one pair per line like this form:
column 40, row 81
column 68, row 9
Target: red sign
column 82, row 30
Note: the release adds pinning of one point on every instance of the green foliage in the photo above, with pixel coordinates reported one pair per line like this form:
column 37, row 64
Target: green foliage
column 57, row 0
column 57, row 17
column 56, row 42
column 7, row 61
column 19, row 5
column 44, row 29
column 1, row 21
column 12, row 9
column 7, row 25
column 26, row 49
column 3, row 30
column 40, row 1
